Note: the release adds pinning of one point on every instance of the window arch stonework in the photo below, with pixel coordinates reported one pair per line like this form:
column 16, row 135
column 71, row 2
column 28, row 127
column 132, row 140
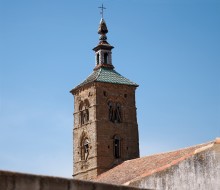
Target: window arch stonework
column 97, row 59
column 117, row 146
column 84, row 112
column 84, row 146
column 115, row 112
column 105, row 58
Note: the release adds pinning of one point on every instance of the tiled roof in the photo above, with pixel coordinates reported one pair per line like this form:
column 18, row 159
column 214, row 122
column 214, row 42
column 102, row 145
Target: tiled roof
column 135, row 169
column 106, row 75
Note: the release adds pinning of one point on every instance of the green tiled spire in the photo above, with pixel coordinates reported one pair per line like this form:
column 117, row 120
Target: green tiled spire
column 106, row 75
column 111, row 76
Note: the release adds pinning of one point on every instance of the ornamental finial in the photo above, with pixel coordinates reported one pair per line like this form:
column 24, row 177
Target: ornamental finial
column 102, row 27
column 103, row 30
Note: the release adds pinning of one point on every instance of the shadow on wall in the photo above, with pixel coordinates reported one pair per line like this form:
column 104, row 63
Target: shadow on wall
column 18, row 181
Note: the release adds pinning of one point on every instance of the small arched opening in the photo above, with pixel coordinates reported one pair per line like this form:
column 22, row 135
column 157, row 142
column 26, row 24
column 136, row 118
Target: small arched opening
column 105, row 58
column 97, row 58
column 85, row 148
column 117, row 146
column 84, row 112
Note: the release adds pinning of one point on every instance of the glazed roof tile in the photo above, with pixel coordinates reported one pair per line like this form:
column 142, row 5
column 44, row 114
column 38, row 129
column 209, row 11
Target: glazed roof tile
column 132, row 170
column 106, row 75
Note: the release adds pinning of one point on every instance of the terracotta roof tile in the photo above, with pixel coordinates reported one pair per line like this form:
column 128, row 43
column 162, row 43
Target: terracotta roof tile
column 141, row 167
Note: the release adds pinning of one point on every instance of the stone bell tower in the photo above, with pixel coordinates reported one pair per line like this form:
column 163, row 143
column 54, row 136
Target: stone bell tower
column 105, row 124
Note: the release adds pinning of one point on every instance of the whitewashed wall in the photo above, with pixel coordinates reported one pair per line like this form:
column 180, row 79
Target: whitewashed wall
column 199, row 172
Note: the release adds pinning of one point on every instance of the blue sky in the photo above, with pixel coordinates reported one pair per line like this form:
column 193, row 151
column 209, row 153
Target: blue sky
column 170, row 48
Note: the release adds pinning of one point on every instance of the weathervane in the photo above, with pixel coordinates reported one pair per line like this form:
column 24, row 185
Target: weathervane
column 102, row 10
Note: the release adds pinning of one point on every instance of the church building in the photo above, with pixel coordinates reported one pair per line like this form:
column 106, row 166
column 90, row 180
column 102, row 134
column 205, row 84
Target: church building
column 106, row 143
column 105, row 124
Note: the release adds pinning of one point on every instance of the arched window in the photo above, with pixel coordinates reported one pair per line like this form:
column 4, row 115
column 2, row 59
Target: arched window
column 80, row 112
column 117, row 147
column 84, row 112
column 115, row 114
column 97, row 58
column 105, row 58
column 111, row 111
column 84, row 148
column 118, row 113
column 84, row 116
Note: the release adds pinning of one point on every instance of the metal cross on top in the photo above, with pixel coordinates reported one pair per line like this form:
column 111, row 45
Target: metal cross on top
column 102, row 10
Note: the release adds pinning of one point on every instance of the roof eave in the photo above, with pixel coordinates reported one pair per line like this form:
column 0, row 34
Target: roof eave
column 103, row 65
column 74, row 90
column 77, row 88
column 174, row 162
column 103, row 46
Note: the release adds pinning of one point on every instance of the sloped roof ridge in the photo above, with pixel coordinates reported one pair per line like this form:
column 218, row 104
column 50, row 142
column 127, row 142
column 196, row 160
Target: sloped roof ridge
column 105, row 75
column 125, row 78
column 167, row 152
column 112, row 76
column 92, row 77
column 201, row 147
column 135, row 169
column 99, row 72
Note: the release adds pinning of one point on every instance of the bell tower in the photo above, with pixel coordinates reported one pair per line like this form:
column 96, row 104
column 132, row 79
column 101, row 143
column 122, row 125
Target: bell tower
column 105, row 129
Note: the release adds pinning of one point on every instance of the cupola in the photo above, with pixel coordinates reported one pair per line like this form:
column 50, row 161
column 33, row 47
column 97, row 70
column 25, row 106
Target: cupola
column 103, row 49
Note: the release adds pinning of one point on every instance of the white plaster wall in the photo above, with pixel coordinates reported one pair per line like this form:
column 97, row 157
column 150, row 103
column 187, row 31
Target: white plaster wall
column 200, row 172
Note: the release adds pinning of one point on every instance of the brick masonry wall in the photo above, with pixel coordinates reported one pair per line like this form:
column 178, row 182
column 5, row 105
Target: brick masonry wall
column 85, row 169
column 106, row 130
column 19, row 181
column 101, row 131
